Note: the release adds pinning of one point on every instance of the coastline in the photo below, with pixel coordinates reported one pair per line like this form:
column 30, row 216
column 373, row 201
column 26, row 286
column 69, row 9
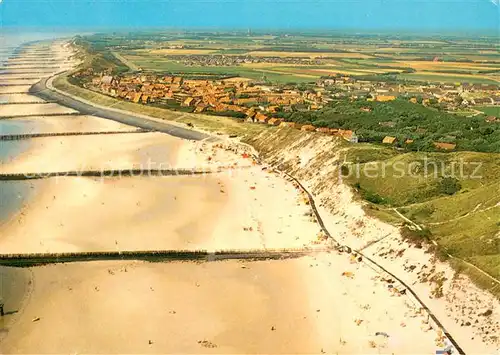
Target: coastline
column 16, row 284
column 364, row 296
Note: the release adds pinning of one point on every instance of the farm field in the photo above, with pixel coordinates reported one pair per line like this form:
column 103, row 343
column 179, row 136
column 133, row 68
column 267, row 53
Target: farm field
column 437, row 77
column 434, row 61
column 489, row 110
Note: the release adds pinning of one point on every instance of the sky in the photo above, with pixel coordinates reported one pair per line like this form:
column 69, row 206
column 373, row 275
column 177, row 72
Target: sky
column 423, row 15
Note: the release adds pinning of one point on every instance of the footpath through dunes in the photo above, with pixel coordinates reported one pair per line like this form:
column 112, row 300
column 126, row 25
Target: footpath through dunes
column 286, row 306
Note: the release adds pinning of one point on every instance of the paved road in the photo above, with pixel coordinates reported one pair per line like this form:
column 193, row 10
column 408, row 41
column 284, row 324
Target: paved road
column 40, row 90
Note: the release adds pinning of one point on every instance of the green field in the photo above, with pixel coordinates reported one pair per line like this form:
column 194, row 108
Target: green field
column 162, row 65
column 489, row 110
column 340, row 53
column 446, row 78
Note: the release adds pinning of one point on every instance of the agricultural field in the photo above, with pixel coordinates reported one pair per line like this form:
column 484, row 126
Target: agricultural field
column 490, row 110
column 435, row 60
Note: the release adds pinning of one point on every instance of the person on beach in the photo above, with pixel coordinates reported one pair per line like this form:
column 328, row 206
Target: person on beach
column 1, row 308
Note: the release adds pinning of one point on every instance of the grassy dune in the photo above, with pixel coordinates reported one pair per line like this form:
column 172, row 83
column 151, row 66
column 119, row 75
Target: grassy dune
column 465, row 224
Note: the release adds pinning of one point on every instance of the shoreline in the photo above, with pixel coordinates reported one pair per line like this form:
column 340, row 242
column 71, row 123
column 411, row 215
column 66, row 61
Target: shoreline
column 16, row 283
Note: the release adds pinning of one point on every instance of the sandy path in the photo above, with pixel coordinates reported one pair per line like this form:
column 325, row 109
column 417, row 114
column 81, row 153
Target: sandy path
column 33, row 109
column 266, row 307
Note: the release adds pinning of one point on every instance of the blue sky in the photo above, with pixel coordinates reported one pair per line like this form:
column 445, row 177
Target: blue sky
column 463, row 15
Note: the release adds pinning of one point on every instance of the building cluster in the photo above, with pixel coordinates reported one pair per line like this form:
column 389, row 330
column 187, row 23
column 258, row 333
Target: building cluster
column 452, row 97
column 243, row 96
column 258, row 102
column 218, row 60
column 252, row 100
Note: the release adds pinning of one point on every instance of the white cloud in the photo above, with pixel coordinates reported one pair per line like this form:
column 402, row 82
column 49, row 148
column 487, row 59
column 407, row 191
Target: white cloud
column 494, row 2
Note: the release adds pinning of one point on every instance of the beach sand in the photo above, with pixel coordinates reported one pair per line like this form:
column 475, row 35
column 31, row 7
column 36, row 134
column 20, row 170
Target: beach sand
column 288, row 306
column 62, row 124
column 19, row 98
column 14, row 288
column 18, row 80
column 96, row 152
column 14, row 89
column 33, row 109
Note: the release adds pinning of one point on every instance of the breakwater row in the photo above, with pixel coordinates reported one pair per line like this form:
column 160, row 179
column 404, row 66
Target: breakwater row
column 13, row 137
column 42, row 115
column 34, row 259
column 25, row 103
column 112, row 173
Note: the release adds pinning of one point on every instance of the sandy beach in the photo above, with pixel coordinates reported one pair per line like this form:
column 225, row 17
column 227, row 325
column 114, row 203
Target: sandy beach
column 18, row 98
column 218, row 307
column 62, row 124
column 14, row 89
column 96, row 152
column 33, row 109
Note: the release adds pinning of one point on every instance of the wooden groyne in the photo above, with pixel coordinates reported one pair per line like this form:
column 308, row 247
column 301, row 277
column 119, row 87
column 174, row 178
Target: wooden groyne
column 5, row 85
column 17, row 71
column 27, row 102
column 40, row 67
column 13, row 137
column 111, row 173
column 42, row 115
column 36, row 259
column 34, row 60
column 22, row 78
